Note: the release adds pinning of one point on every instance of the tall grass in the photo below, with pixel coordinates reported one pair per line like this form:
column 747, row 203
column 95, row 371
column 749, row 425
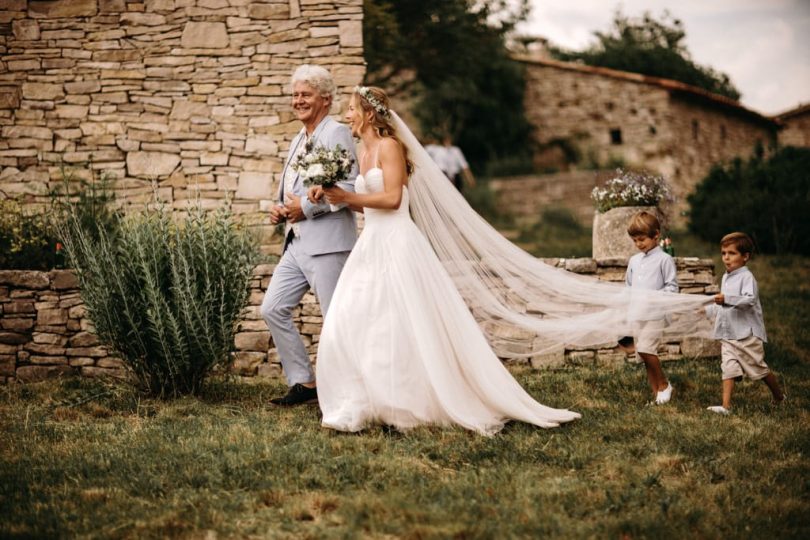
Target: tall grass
column 164, row 295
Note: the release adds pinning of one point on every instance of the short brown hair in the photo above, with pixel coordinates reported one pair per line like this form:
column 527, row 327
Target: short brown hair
column 740, row 240
column 644, row 223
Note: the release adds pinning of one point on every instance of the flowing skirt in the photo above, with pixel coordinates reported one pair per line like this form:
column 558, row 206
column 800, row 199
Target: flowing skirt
column 400, row 347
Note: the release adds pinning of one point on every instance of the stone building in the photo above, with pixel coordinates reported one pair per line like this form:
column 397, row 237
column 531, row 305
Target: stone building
column 592, row 117
column 190, row 94
column 795, row 126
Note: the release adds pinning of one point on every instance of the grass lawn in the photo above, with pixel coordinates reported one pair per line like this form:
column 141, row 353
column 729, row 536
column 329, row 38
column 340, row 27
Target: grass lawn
column 83, row 458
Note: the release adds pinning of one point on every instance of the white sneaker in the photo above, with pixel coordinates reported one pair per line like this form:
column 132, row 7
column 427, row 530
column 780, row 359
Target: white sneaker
column 664, row 395
column 719, row 409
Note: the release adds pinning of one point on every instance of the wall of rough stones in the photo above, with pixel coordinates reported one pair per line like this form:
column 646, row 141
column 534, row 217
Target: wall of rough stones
column 796, row 127
column 192, row 94
column 525, row 197
column 44, row 330
column 662, row 130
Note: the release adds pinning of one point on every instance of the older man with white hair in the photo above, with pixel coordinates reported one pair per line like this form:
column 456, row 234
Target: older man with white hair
column 317, row 237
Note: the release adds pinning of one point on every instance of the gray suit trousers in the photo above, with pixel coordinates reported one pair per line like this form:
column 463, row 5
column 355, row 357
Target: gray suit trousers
column 295, row 273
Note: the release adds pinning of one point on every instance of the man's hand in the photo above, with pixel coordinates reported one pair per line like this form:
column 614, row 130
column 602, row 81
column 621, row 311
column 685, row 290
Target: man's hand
column 278, row 214
column 293, row 207
column 719, row 299
column 315, row 193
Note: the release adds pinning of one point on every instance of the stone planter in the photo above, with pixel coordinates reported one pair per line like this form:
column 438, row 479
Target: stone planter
column 610, row 238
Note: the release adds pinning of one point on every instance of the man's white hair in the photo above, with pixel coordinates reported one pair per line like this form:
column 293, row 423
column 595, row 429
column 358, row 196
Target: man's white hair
column 317, row 77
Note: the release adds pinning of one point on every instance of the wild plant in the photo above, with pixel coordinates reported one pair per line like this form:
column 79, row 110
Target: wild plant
column 164, row 294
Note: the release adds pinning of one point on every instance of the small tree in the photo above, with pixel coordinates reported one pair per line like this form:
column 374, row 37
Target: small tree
column 452, row 55
column 768, row 199
column 164, row 295
column 651, row 47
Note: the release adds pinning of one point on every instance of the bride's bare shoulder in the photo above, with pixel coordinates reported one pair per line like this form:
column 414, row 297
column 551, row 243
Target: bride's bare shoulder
column 391, row 147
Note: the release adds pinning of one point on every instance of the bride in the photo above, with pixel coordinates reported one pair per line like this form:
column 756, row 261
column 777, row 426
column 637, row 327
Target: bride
column 401, row 347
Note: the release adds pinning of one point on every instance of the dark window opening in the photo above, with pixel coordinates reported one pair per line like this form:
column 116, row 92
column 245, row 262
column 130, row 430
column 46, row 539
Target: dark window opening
column 616, row 136
column 653, row 131
column 609, row 105
column 695, row 129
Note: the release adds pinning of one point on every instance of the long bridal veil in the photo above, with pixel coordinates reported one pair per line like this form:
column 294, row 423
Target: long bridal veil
column 524, row 306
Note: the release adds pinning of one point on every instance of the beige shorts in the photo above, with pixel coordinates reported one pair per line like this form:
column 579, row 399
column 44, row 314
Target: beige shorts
column 743, row 357
column 648, row 336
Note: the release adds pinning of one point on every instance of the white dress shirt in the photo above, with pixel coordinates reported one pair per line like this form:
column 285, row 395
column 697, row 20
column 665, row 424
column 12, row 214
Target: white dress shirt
column 654, row 270
column 289, row 183
column 740, row 316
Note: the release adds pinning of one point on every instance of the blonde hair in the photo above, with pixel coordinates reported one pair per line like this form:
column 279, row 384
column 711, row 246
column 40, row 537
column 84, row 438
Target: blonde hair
column 644, row 223
column 380, row 120
column 740, row 240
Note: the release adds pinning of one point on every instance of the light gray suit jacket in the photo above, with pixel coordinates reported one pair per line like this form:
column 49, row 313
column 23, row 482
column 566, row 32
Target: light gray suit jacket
column 324, row 231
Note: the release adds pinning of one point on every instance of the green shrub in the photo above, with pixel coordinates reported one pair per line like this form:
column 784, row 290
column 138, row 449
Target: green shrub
column 164, row 295
column 558, row 233
column 768, row 199
column 27, row 242
column 514, row 165
column 91, row 201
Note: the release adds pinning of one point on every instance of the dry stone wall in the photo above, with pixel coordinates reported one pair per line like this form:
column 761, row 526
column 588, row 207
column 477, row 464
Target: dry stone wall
column 189, row 94
column 44, row 331
column 525, row 197
column 796, row 128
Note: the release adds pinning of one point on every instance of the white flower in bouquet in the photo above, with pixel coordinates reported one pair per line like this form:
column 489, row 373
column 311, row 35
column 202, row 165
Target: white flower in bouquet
column 313, row 171
column 321, row 166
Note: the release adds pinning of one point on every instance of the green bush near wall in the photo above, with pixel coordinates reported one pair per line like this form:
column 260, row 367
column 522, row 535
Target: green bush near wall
column 27, row 241
column 767, row 198
column 164, row 294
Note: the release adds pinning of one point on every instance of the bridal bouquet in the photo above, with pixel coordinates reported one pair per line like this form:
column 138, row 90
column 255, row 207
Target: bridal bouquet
column 321, row 166
column 631, row 189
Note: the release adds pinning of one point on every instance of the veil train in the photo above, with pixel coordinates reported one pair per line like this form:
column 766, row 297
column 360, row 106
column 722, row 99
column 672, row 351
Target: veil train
column 516, row 297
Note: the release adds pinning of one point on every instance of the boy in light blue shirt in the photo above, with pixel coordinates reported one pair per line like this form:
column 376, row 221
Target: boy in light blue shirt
column 652, row 269
column 738, row 322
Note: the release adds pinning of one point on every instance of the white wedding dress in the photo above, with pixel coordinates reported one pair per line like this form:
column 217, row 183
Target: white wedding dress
column 400, row 347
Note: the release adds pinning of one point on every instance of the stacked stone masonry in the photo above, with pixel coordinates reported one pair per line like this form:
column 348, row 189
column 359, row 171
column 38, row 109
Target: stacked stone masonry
column 44, row 330
column 796, row 127
column 525, row 197
column 189, row 95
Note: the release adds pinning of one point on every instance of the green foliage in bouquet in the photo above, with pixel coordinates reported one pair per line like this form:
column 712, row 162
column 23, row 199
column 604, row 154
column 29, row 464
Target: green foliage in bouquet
column 165, row 295
column 629, row 188
column 767, row 198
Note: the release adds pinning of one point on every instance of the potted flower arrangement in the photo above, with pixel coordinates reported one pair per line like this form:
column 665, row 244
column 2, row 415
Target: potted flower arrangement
column 617, row 201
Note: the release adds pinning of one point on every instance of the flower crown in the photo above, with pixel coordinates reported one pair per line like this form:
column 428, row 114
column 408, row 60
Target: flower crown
column 366, row 94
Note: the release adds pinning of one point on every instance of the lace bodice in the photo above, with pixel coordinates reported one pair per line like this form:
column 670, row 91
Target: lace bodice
column 372, row 182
